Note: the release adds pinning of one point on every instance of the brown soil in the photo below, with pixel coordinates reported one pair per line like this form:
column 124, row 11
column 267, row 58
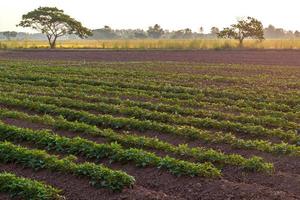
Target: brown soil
column 152, row 183
column 79, row 188
column 260, row 57
column 157, row 184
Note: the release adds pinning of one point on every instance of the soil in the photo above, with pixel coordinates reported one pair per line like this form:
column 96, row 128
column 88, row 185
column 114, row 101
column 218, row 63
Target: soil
column 259, row 57
column 153, row 183
column 156, row 184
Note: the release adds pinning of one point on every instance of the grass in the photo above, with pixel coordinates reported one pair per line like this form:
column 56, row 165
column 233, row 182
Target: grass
column 155, row 44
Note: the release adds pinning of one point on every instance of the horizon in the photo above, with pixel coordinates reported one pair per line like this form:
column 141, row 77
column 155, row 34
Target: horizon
column 134, row 15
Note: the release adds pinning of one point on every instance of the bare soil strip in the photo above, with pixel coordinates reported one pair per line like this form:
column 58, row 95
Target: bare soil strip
column 258, row 57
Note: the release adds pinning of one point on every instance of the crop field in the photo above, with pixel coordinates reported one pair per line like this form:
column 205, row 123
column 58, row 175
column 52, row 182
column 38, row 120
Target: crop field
column 146, row 129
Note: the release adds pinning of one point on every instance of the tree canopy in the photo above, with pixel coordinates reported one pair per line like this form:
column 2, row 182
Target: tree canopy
column 245, row 28
column 9, row 34
column 155, row 32
column 54, row 23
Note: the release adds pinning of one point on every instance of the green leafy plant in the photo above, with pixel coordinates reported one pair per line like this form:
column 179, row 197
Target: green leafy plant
column 99, row 175
column 27, row 189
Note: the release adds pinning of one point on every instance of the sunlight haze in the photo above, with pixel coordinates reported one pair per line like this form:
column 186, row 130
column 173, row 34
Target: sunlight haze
column 170, row 14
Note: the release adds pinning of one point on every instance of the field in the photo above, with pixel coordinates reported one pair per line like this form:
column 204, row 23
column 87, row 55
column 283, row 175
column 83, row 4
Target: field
column 155, row 44
column 154, row 125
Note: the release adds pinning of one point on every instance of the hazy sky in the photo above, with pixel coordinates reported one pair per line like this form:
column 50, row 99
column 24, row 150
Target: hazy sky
column 170, row 14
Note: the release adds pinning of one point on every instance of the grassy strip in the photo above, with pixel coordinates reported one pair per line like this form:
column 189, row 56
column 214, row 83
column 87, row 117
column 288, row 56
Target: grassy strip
column 125, row 123
column 99, row 175
column 27, row 189
column 200, row 154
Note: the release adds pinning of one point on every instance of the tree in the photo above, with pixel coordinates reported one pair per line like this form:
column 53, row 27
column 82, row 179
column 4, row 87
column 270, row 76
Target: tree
column 53, row 23
column 201, row 30
column 184, row 33
column 273, row 32
column 297, row 34
column 140, row 34
column 245, row 28
column 105, row 33
column 9, row 34
column 214, row 31
column 155, row 32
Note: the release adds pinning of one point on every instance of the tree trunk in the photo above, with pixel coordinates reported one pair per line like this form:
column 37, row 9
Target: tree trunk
column 52, row 45
column 241, row 42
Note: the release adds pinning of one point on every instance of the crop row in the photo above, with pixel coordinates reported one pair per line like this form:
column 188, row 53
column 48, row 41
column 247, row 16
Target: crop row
column 235, row 106
column 200, row 154
column 19, row 187
column 113, row 151
column 134, row 73
column 209, row 95
column 274, row 116
column 157, row 86
column 129, row 123
column 99, row 175
column 144, row 114
column 141, row 70
column 266, row 121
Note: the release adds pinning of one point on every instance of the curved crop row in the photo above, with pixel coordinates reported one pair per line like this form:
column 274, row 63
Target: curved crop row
column 142, row 114
column 209, row 95
column 235, row 106
column 136, row 74
column 115, row 152
column 125, row 123
column 181, row 91
column 142, row 72
column 200, row 154
column 268, row 121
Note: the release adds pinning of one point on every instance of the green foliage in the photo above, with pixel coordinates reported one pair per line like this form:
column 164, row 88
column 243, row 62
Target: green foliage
column 200, row 154
column 80, row 146
column 53, row 23
column 142, row 114
column 155, row 32
column 9, row 34
column 249, row 28
column 27, row 189
column 99, row 175
column 131, row 124
column 120, row 102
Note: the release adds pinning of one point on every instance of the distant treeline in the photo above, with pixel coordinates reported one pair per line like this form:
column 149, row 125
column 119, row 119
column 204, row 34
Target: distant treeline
column 154, row 32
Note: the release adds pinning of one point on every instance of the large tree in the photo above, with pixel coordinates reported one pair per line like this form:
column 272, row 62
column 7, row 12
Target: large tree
column 53, row 23
column 244, row 28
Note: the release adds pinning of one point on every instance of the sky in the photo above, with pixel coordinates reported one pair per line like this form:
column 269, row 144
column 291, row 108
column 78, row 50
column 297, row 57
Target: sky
column 170, row 14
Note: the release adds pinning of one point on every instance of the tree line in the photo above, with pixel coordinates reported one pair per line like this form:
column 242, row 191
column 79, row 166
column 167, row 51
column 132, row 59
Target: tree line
column 54, row 23
column 270, row 32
